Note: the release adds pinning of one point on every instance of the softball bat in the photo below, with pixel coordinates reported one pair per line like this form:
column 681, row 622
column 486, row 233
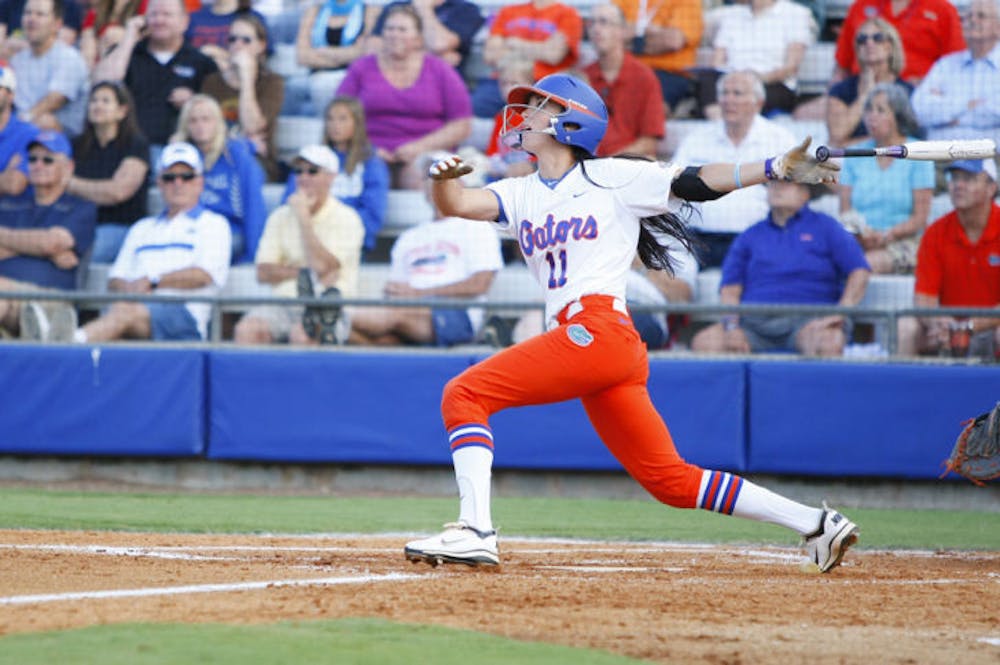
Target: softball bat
column 932, row 151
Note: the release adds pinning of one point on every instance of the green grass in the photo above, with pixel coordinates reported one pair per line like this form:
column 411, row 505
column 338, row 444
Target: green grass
column 568, row 518
column 345, row 642
column 380, row 642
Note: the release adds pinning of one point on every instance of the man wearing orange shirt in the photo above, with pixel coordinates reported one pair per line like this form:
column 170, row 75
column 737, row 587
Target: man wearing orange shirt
column 628, row 88
column 544, row 31
column 666, row 37
column 958, row 265
column 929, row 29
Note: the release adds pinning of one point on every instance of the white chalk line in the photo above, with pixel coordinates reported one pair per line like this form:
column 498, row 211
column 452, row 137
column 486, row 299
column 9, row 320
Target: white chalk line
column 203, row 588
column 777, row 556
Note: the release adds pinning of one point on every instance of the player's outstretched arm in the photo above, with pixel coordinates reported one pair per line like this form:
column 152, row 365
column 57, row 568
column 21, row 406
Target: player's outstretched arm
column 796, row 165
column 453, row 199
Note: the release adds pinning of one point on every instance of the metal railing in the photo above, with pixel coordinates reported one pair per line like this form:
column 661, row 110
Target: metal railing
column 221, row 304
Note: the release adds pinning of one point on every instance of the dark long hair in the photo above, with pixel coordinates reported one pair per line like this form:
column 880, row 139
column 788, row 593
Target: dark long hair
column 128, row 127
column 652, row 254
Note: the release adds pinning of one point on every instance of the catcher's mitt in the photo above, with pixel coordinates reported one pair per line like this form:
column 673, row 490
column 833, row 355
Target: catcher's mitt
column 977, row 452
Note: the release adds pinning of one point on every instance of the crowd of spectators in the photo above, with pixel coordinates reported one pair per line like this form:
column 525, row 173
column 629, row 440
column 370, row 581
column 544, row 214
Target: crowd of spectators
column 125, row 82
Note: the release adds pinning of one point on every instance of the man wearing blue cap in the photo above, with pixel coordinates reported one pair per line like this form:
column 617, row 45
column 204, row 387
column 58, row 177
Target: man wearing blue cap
column 44, row 234
column 958, row 265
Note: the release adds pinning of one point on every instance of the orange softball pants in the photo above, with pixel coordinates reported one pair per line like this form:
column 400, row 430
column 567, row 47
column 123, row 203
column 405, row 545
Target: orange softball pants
column 597, row 356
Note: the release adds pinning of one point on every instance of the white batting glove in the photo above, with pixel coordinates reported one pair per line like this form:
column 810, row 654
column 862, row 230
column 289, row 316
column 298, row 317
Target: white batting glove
column 448, row 168
column 799, row 165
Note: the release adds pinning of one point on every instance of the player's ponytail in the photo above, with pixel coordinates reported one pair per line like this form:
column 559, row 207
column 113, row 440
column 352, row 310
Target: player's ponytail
column 652, row 253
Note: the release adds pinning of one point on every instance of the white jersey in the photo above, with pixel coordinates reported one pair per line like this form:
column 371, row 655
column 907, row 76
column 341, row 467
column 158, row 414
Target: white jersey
column 197, row 238
column 444, row 252
column 577, row 237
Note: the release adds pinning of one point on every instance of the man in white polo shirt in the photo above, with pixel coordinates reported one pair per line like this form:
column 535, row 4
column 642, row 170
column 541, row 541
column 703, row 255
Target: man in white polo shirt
column 183, row 250
column 742, row 135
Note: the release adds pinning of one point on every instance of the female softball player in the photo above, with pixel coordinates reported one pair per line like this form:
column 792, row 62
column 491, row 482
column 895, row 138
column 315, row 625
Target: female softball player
column 579, row 222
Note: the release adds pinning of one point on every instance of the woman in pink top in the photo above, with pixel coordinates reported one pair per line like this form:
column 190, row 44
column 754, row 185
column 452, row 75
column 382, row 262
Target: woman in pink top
column 414, row 102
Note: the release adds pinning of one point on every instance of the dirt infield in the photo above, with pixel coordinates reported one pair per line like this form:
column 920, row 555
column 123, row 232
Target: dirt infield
column 658, row 601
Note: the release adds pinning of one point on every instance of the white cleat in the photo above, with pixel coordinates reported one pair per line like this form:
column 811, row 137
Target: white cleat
column 458, row 543
column 827, row 545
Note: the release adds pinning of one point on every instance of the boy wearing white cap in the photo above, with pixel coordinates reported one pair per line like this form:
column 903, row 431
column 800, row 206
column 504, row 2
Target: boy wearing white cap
column 312, row 239
column 958, row 265
column 183, row 250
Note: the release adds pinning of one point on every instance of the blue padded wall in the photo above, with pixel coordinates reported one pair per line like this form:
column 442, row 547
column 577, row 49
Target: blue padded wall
column 329, row 407
column 102, row 401
column 831, row 419
column 767, row 416
column 385, row 408
column 704, row 404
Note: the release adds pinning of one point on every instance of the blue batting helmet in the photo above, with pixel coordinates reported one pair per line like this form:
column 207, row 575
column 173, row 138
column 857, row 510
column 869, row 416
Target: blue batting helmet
column 585, row 119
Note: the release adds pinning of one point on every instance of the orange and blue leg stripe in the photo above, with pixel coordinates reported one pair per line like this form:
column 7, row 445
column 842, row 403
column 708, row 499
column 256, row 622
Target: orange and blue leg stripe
column 719, row 491
column 470, row 434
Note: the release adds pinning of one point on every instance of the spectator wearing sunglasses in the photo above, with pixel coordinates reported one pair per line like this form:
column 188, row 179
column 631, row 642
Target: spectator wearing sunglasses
column 234, row 181
column 960, row 98
column 881, row 59
column 363, row 179
column 44, row 235
column 209, row 28
column 928, row 29
column 250, row 94
column 182, row 251
column 311, row 246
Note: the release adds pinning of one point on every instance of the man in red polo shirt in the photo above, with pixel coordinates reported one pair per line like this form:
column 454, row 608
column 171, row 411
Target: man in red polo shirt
column 929, row 29
column 958, row 265
column 628, row 87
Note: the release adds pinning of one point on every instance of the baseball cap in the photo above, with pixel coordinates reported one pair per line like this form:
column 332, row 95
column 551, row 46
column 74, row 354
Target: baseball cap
column 975, row 166
column 7, row 78
column 180, row 153
column 54, row 141
column 321, row 156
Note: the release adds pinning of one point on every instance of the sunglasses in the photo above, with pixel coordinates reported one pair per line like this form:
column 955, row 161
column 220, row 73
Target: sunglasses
column 877, row 37
column 311, row 170
column 240, row 38
column 34, row 159
column 171, row 177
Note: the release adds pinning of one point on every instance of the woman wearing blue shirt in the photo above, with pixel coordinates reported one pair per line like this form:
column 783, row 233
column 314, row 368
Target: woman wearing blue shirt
column 234, row 180
column 885, row 201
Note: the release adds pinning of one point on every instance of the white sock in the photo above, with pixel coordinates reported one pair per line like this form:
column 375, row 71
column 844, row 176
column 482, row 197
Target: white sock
column 763, row 505
column 80, row 336
column 473, row 471
column 734, row 495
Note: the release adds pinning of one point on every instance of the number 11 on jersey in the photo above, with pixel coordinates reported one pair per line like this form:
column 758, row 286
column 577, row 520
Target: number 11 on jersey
column 561, row 281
